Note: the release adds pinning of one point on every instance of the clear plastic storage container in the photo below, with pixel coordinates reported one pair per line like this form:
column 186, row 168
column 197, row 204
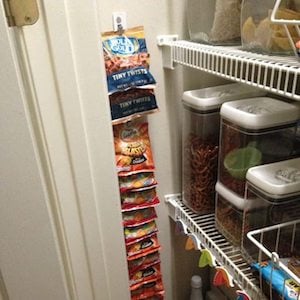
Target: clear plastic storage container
column 260, row 35
column 278, row 186
column 201, row 126
column 236, row 215
column 254, row 132
column 214, row 21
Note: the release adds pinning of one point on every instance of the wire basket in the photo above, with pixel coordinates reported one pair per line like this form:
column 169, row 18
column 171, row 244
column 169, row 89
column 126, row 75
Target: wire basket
column 276, row 262
column 287, row 24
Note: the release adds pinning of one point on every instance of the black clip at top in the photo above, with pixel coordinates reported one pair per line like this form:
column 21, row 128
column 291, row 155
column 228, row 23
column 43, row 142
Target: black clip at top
column 120, row 29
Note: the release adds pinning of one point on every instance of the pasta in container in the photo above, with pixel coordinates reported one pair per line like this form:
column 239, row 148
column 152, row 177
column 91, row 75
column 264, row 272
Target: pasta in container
column 259, row 34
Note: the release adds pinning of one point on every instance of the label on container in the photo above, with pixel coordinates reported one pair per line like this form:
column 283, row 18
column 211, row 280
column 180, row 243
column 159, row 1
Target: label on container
column 254, row 109
column 288, row 175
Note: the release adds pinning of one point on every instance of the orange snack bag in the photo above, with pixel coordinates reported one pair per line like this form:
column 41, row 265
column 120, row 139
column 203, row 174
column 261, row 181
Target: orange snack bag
column 132, row 148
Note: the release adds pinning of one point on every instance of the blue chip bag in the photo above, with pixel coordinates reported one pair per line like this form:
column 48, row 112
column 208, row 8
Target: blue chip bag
column 126, row 60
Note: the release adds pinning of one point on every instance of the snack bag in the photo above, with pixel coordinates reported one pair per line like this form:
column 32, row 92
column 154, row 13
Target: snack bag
column 138, row 217
column 150, row 272
column 126, row 59
column 132, row 147
column 143, row 262
column 137, row 182
column 134, row 233
column 142, row 246
column 130, row 104
column 148, row 289
column 139, row 199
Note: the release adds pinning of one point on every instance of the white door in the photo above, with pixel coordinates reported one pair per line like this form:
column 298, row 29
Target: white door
column 60, row 223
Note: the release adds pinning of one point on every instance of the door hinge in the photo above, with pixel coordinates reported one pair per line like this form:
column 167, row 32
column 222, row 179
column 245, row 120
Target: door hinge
column 21, row 12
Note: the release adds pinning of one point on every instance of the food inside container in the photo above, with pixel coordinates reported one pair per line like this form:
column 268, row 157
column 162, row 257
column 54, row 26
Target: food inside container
column 260, row 34
column 201, row 126
column 278, row 186
column 253, row 132
column 214, row 21
column 235, row 216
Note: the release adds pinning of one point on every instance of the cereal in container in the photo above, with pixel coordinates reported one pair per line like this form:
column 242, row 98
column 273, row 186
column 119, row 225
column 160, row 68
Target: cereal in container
column 201, row 122
column 254, row 132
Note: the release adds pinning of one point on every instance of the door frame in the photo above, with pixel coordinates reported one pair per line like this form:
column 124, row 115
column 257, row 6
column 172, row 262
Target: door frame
column 68, row 110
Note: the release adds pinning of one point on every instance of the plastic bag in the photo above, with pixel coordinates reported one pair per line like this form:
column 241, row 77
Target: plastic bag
column 138, row 217
column 136, row 182
column 139, row 199
column 126, row 59
column 134, row 233
column 130, row 104
column 150, row 288
column 142, row 246
column 133, row 148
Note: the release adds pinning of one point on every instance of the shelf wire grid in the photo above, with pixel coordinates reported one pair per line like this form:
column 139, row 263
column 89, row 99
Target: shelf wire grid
column 276, row 74
column 226, row 255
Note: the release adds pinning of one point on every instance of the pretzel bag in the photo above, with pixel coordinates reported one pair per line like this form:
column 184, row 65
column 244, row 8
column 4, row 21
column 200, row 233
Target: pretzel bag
column 132, row 103
column 126, row 59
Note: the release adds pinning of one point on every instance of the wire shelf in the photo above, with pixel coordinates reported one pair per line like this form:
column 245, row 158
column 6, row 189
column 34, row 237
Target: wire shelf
column 226, row 255
column 276, row 74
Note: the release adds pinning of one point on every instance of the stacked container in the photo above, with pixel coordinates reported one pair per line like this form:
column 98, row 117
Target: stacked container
column 254, row 132
column 277, row 186
column 230, row 214
column 201, row 127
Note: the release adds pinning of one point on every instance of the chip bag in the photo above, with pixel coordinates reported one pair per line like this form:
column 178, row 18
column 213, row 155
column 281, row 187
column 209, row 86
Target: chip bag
column 132, row 148
column 137, row 182
column 126, row 59
column 134, row 233
column 142, row 246
column 139, row 199
column 138, row 217
column 147, row 289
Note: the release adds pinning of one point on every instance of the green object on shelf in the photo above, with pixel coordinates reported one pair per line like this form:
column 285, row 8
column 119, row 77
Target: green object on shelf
column 238, row 161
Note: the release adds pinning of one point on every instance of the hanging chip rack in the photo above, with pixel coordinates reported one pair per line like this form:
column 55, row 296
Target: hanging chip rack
column 226, row 255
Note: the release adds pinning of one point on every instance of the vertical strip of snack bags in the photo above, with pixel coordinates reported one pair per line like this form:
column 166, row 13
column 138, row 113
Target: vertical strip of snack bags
column 135, row 165
column 131, row 95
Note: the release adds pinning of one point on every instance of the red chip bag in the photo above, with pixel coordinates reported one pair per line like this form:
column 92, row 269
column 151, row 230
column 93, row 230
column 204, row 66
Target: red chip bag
column 139, row 199
column 137, row 232
column 141, row 246
column 132, row 147
column 138, row 217
column 150, row 272
column 148, row 289
column 143, row 262
column 137, row 182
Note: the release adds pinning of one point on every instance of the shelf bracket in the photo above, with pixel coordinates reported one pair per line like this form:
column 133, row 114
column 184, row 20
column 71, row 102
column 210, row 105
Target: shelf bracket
column 165, row 42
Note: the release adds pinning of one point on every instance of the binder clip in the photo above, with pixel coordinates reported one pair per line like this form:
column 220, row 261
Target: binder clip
column 242, row 295
column 206, row 259
column 222, row 277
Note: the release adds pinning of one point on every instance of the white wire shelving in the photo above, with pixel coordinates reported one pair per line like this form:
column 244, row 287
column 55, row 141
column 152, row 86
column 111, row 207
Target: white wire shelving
column 226, row 255
column 275, row 74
